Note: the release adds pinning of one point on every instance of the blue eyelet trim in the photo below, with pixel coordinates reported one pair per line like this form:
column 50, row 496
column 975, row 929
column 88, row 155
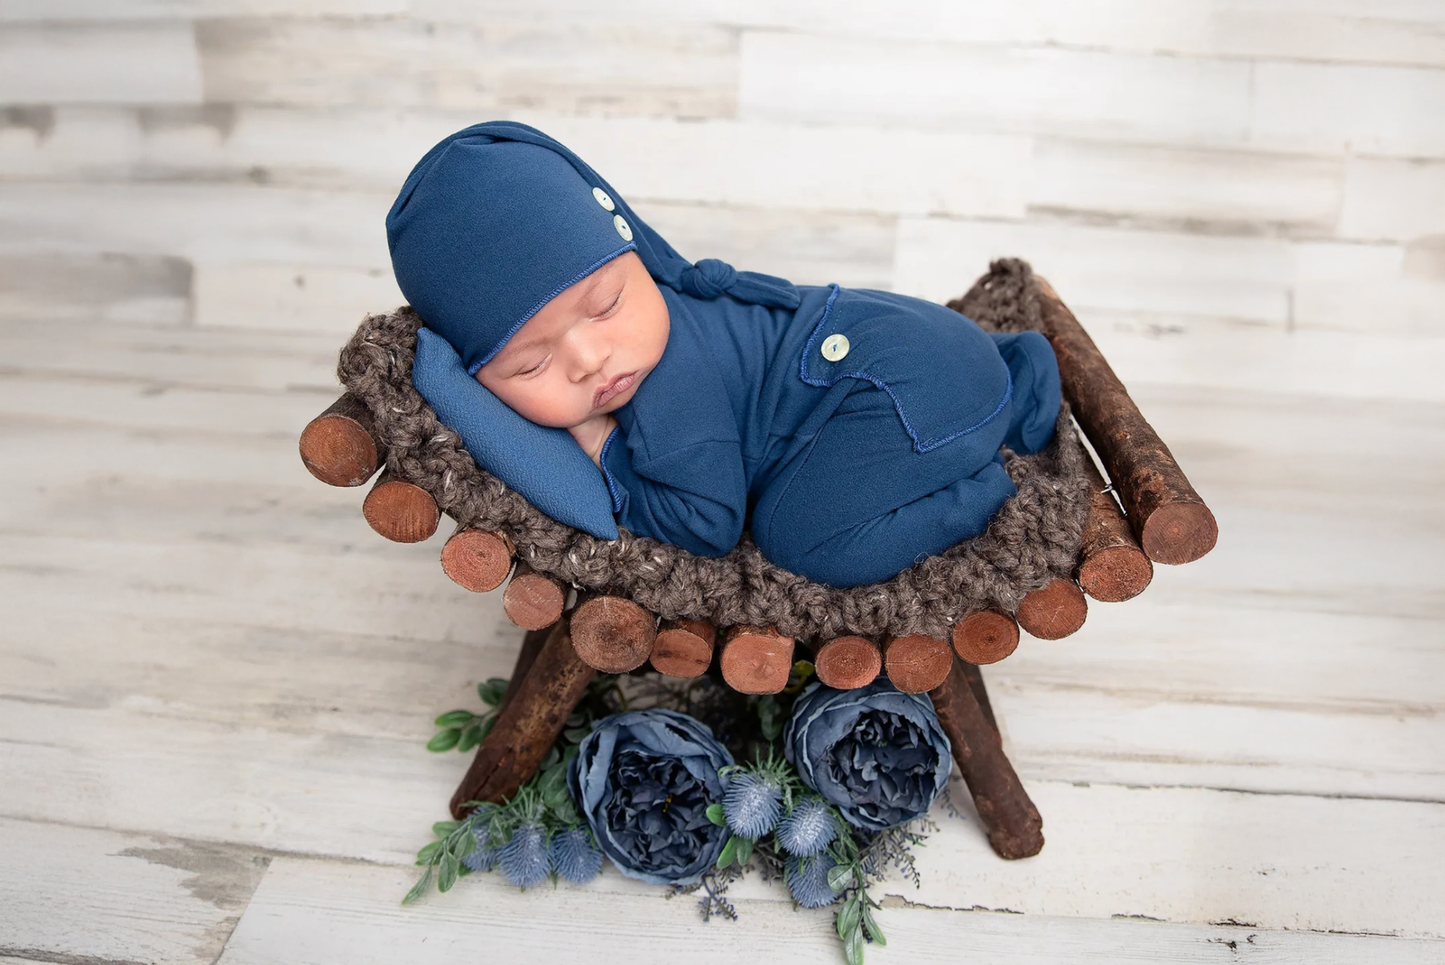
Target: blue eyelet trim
column 611, row 483
column 918, row 444
column 472, row 369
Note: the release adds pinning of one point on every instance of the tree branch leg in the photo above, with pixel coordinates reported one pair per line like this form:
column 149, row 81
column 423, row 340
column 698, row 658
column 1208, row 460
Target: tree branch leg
column 1014, row 826
column 539, row 700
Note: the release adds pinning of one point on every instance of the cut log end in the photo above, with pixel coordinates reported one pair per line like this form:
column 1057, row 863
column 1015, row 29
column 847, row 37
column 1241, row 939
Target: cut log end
column 1053, row 612
column 1179, row 532
column 683, row 648
column 985, row 636
column 846, row 663
column 1115, row 574
column 612, row 634
column 339, row 447
column 533, row 600
column 756, row 660
column 401, row 511
column 917, row 663
column 480, row 560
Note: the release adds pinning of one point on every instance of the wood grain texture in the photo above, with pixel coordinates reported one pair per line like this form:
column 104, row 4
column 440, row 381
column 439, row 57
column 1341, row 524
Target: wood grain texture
column 683, row 648
column 756, row 660
column 533, row 600
column 401, row 511
column 479, row 560
column 848, row 662
column 339, row 447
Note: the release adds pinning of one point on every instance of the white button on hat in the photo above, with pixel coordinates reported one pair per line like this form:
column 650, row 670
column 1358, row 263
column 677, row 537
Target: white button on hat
column 622, row 227
column 835, row 347
column 603, row 198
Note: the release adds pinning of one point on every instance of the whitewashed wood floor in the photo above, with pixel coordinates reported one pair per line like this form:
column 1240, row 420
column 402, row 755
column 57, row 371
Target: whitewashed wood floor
column 215, row 685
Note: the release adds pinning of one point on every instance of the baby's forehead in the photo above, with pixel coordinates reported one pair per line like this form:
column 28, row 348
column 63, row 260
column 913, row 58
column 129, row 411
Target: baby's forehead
column 582, row 297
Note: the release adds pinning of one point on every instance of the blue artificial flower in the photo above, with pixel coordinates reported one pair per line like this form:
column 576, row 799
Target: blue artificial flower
column 574, row 856
column 524, row 858
column 752, row 804
column 483, row 856
column 808, row 880
column 877, row 754
column 643, row 780
column 808, row 829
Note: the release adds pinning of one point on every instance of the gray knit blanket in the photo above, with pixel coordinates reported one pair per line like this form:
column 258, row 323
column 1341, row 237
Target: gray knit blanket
column 1034, row 537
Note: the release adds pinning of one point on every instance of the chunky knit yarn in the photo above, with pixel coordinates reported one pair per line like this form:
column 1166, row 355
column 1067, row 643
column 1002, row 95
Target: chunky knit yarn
column 1033, row 537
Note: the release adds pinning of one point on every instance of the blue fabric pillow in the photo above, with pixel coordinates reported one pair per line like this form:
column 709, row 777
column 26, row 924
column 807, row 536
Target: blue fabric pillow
column 542, row 463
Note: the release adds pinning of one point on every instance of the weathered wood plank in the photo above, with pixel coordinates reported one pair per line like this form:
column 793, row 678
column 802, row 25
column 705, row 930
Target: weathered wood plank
column 1396, row 111
column 76, row 894
column 797, row 77
column 1393, row 200
column 505, row 63
column 99, row 63
column 1373, row 289
column 326, row 911
column 1194, row 191
column 40, row 288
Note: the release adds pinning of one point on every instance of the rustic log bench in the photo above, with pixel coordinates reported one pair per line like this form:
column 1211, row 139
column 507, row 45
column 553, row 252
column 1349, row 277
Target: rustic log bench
column 1146, row 512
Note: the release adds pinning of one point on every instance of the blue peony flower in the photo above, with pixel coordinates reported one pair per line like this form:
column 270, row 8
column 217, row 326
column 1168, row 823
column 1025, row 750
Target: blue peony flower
column 524, row 858
column 808, row 880
column 808, row 829
column 573, row 855
column 876, row 753
column 752, row 805
column 643, row 780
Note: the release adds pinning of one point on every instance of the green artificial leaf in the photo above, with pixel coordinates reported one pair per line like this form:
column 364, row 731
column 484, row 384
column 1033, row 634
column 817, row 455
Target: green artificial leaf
column 770, row 717
column 454, row 718
column 465, row 845
column 418, row 889
column 729, row 850
column 715, row 815
column 447, row 873
column 848, row 917
column 576, row 735
column 553, row 786
column 744, row 850
column 566, row 812
column 840, row 876
column 443, row 828
column 874, row 931
column 570, row 753
column 444, row 740
column 471, row 736
column 853, row 947
column 492, row 691
column 552, row 757
column 488, row 722
column 425, row 855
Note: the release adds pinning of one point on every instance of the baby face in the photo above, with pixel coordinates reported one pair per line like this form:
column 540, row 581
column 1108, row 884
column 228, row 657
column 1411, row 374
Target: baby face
column 586, row 351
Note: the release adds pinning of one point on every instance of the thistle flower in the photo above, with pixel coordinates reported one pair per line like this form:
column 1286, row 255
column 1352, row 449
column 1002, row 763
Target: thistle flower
column 574, row 856
column 524, row 858
column 808, row 880
column 752, row 804
column 808, row 828
column 483, row 857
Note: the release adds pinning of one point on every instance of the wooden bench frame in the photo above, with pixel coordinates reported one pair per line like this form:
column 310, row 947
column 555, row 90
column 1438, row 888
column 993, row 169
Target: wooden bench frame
column 1157, row 517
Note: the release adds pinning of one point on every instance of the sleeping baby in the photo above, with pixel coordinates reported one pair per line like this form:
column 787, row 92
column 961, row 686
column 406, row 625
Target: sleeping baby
column 851, row 432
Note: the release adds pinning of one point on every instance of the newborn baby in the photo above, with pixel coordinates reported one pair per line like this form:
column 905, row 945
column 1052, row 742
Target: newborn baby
column 852, row 432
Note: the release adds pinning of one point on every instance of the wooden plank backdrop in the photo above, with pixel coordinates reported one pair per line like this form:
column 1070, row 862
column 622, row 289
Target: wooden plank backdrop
column 216, row 681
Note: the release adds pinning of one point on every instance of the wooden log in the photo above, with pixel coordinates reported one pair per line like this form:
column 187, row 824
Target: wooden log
column 985, row 636
column 1172, row 523
column 1013, row 824
column 848, row 662
column 980, row 693
column 536, row 709
column 611, row 633
column 917, row 663
column 1112, row 566
column 533, row 600
column 479, row 560
column 683, row 648
column 1053, row 612
column 340, row 447
column 532, row 643
column 401, row 511
column 756, row 660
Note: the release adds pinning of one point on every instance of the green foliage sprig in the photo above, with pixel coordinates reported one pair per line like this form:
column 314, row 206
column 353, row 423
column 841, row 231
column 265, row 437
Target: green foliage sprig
column 461, row 729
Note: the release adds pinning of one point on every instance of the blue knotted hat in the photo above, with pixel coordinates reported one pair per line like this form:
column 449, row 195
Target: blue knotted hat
column 499, row 218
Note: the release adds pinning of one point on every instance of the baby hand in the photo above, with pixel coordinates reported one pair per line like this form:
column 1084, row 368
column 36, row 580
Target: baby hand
column 591, row 434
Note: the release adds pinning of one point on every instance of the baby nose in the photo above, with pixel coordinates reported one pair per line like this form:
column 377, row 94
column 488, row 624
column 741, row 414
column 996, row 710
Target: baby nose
column 588, row 357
